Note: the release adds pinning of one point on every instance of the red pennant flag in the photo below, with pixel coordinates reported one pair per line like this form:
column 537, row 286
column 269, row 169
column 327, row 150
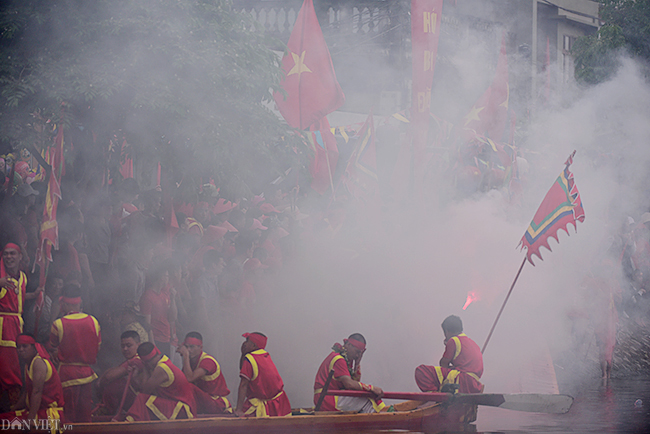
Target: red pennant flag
column 310, row 81
column 326, row 157
column 561, row 206
column 489, row 114
column 126, row 161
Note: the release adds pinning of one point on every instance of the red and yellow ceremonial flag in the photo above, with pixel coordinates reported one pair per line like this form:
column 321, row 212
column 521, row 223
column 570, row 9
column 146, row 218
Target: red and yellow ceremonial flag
column 310, row 82
column 489, row 115
column 561, row 206
column 425, row 31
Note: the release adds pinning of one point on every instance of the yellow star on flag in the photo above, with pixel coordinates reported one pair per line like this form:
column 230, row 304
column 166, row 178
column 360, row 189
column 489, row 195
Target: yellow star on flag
column 299, row 64
column 473, row 115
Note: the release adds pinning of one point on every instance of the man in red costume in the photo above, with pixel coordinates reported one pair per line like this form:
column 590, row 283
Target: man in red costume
column 13, row 284
column 345, row 364
column 42, row 397
column 261, row 390
column 113, row 382
column 204, row 372
column 461, row 363
column 75, row 341
column 166, row 393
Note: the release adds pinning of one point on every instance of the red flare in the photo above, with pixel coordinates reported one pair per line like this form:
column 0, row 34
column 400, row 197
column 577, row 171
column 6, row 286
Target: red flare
column 471, row 296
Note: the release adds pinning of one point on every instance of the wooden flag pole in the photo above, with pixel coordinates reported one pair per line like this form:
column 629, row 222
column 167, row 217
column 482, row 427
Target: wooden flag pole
column 504, row 305
column 329, row 170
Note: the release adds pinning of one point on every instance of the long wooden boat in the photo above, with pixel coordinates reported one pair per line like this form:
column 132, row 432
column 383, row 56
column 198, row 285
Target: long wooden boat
column 411, row 416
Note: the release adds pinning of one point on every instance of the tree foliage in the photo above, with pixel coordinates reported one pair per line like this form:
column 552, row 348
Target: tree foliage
column 626, row 29
column 187, row 80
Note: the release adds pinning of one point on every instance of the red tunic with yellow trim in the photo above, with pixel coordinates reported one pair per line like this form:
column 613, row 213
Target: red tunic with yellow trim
column 265, row 395
column 51, row 399
column 173, row 399
column 11, row 325
column 212, row 383
column 467, row 367
column 333, row 361
column 194, row 227
column 77, row 337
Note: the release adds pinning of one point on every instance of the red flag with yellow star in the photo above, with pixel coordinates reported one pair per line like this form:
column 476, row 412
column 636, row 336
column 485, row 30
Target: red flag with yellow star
column 489, row 114
column 310, row 82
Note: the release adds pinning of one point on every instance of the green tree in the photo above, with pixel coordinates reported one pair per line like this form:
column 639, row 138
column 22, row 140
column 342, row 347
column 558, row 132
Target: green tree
column 626, row 29
column 184, row 80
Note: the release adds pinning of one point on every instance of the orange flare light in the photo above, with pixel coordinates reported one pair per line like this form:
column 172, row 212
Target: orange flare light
column 471, row 296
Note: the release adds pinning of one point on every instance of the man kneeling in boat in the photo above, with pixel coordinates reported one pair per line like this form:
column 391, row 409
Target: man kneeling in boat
column 166, row 393
column 345, row 364
column 461, row 363
column 114, row 380
column 261, row 390
column 42, row 396
column 203, row 370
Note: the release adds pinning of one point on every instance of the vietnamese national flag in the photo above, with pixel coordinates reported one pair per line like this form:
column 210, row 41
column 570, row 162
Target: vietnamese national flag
column 310, row 81
column 489, row 115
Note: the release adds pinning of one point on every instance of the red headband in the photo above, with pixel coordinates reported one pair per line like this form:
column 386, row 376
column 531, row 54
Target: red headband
column 355, row 343
column 25, row 339
column 257, row 339
column 70, row 300
column 12, row 246
column 193, row 341
column 151, row 355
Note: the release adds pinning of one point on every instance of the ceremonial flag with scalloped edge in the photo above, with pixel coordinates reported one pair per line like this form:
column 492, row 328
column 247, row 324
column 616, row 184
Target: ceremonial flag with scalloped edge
column 309, row 81
column 561, row 206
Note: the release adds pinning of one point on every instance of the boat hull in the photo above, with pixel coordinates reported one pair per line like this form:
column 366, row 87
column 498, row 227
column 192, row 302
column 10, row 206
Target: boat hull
column 429, row 418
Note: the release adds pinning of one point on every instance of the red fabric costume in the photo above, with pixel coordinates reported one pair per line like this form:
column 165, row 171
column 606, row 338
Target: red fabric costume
column 213, row 384
column 157, row 305
column 174, row 399
column 77, row 337
column 51, row 399
column 194, row 227
column 467, row 362
column 11, row 325
column 333, row 361
column 112, row 392
column 265, row 395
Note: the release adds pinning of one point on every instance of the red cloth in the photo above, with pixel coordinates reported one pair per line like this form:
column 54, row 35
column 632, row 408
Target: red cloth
column 52, row 390
column 340, row 365
column 151, row 407
column 66, row 262
column 467, row 367
column 194, row 227
column 428, row 380
column 465, row 354
column 177, row 388
column 77, row 337
column 11, row 325
column 207, row 404
column 78, row 405
column 157, row 305
column 213, row 382
column 326, row 156
column 176, row 395
column 310, row 81
column 265, row 384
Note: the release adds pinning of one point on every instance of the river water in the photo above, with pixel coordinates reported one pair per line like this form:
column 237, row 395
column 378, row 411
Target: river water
column 622, row 405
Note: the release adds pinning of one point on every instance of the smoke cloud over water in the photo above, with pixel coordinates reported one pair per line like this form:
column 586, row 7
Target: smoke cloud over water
column 397, row 289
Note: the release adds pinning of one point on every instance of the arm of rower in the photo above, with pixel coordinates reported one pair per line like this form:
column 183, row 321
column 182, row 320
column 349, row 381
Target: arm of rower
column 241, row 396
column 39, row 371
column 113, row 374
column 191, row 376
column 351, row 384
column 445, row 363
column 158, row 376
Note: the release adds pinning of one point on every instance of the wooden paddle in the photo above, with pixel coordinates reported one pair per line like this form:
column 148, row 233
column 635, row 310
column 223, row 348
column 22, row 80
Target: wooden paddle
column 530, row 402
column 126, row 390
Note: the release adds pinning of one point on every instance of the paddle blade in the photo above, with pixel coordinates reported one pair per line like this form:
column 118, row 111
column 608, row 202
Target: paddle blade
column 530, row 402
